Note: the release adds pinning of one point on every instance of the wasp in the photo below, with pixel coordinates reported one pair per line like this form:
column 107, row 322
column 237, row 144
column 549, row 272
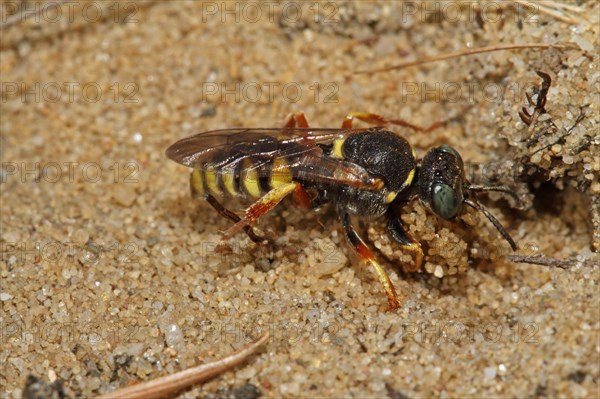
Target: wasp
column 363, row 172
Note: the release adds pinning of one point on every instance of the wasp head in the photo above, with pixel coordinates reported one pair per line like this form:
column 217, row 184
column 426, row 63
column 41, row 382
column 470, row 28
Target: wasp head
column 444, row 189
column 440, row 183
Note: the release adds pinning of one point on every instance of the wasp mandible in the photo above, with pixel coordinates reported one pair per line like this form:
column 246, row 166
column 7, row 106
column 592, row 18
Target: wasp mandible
column 369, row 172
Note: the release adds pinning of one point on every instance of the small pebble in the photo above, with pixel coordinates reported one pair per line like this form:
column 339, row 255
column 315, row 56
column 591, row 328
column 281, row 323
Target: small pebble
column 489, row 372
column 5, row 296
column 137, row 137
column 124, row 194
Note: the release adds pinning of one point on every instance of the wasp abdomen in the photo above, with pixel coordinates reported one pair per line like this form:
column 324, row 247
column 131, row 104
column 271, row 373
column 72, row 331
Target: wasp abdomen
column 243, row 170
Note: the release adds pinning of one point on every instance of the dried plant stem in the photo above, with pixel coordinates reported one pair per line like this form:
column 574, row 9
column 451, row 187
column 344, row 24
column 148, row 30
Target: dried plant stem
column 563, row 6
column 171, row 384
column 543, row 8
column 547, row 261
column 463, row 53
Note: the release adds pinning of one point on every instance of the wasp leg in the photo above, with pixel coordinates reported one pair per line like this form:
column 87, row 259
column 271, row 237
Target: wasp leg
column 366, row 256
column 379, row 120
column 262, row 206
column 296, row 119
column 302, row 198
column 407, row 243
column 233, row 217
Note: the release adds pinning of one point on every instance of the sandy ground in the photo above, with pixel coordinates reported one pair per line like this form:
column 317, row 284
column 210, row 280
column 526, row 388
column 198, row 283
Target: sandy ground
column 111, row 273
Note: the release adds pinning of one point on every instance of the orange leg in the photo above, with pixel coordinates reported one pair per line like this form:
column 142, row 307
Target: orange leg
column 296, row 119
column 233, row 217
column 378, row 120
column 367, row 257
column 262, row 206
column 301, row 198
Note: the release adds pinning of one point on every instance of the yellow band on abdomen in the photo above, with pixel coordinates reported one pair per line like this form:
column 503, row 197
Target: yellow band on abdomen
column 280, row 173
column 210, row 174
column 228, row 178
column 197, row 182
column 250, row 179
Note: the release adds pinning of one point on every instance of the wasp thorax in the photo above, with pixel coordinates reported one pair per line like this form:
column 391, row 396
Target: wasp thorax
column 383, row 154
column 441, row 178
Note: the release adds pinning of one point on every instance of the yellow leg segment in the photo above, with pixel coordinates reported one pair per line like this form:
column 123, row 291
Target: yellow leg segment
column 367, row 257
column 417, row 252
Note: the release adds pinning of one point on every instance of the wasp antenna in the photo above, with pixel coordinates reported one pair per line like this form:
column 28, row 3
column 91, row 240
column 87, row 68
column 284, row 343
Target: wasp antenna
column 494, row 221
column 501, row 189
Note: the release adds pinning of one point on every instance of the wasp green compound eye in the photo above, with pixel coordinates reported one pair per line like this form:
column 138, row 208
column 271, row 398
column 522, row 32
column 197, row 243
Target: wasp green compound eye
column 444, row 201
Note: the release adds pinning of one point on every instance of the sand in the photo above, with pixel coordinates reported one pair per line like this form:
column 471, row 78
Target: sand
column 112, row 274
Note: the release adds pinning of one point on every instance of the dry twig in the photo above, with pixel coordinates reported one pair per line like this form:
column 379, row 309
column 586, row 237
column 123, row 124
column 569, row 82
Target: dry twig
column 552, row 8
column 171, row 384
column 461, row 54
column 551, row 262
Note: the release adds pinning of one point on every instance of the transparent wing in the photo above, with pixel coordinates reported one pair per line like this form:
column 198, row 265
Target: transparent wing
column 296, row 146
column 194, row 150
column 315, row 168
